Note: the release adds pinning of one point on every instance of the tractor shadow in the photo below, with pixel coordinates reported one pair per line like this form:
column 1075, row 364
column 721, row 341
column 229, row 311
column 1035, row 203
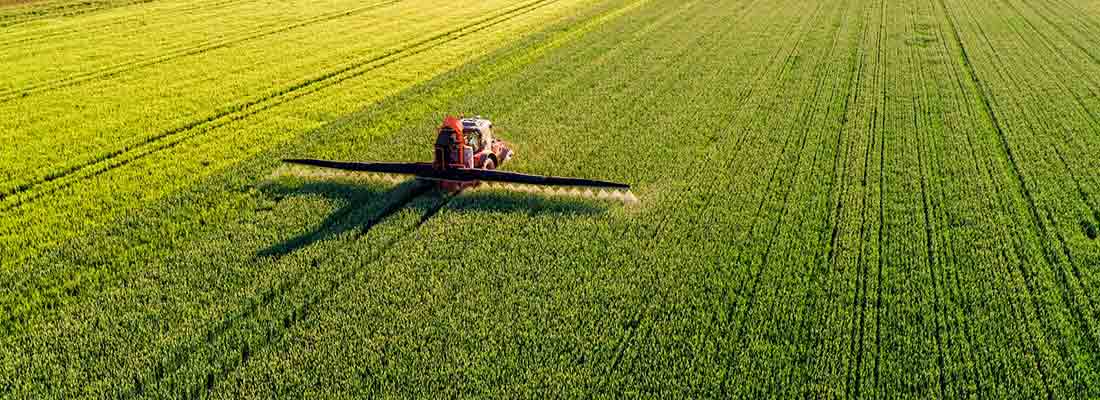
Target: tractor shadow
column 365, row 205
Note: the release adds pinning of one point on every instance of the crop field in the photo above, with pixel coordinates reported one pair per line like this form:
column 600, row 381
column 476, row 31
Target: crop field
column 837, row 198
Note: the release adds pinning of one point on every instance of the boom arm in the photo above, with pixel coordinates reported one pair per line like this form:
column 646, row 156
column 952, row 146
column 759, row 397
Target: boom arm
column 425, row 170
column 384, row 168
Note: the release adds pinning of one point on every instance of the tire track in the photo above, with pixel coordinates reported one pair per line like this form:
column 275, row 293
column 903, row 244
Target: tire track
column 859, row 305
column 36, row 14
column 1038, row 227
column 638, row 103
column 805, row 115
column 127, row 67
column 785, row 68
column 880, row 67
column 34, row 190
column 937, row 305
column 854, row 93
column 692, row 44
column 526, row 57
column 809, row 200
column 1078, row 279
column 708, row 161
column 911, row 85
column 1080, row 191
column 839, row 177
column 1082, row 14
column 925, row 150
column 812, row 293
column 1089, row 112
column 1031, row 340
column 1050, row 43
column 860, row 300
column 1062, row 56
column 31, row 36
column 632, row 326
column 1072, row 10
column 710, row 155
column 1067, row 293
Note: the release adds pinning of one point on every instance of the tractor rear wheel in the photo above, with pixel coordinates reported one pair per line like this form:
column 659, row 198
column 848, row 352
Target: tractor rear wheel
column 489, row 164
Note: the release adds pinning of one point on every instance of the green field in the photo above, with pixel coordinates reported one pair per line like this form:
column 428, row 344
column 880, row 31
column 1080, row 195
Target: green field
column 838, row 198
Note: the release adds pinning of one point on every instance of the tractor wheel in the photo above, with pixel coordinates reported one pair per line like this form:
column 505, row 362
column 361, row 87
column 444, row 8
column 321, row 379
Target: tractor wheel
column 489, row 164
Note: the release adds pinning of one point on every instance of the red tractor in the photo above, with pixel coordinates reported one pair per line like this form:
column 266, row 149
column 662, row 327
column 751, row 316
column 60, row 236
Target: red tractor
column 467, row 154
column 468, row 143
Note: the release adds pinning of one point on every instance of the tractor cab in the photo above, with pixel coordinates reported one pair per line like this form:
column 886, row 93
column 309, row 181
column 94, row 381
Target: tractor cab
column 473, row 140
column 469, row 143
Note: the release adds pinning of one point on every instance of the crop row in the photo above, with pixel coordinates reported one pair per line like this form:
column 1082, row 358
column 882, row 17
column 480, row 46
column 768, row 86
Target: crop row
column 626, row 304
column 225, row 221
column 60, row 8
column 224, row 143
column 72, row 72
column 92, row 201
column 509, row 277
column 1031, row 136
column 131, row 108
column 890, row 320
column 857, row 198
column 167, row 139
column 61, row 31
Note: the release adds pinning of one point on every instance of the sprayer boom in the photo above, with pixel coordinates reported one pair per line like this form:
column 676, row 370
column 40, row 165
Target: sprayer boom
column 466, row 155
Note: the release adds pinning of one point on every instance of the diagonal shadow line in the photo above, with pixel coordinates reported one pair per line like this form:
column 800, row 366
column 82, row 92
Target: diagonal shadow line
column 169, row 369
column 338, row 222
column 431, row 212
column 491, row 202
column 301, row 312
column 399, row 197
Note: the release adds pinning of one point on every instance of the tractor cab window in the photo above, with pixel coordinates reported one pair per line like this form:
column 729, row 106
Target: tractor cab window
column 473, row 138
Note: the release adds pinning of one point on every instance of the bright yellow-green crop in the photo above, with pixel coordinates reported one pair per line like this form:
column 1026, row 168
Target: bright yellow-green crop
column 141, row 134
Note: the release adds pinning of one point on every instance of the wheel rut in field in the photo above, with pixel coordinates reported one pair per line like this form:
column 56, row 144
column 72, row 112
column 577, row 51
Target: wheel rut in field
column 1080, row 318
column 1089, row 315
column 782, row 74
column 998, row 201
column 1092, row 116
column 35, row 189
column 85, row 29
column 829, row 227
column 527, row 55
column 806, row 111
column 621, row 351
column 941, row 260
column 858, row 324
column 65, row 10
column 127, row 67
column 631, row 326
